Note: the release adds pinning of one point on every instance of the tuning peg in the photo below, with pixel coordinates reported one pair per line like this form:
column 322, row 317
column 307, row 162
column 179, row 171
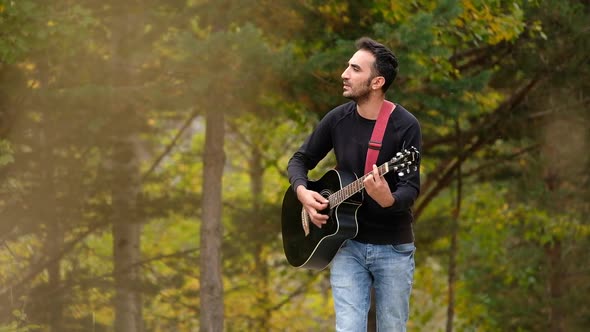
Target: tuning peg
column 400, row 174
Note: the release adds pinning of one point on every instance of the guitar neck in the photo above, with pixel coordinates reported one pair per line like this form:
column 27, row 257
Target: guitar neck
column 354, row 187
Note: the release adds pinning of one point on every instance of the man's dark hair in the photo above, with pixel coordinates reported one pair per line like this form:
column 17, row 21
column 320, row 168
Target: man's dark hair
column 385, row 61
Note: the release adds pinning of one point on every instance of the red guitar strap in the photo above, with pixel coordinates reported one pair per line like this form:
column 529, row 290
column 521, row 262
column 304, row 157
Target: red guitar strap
column 377, row 137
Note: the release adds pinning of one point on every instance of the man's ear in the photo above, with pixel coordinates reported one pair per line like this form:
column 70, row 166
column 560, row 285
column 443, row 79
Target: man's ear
column 377, row 82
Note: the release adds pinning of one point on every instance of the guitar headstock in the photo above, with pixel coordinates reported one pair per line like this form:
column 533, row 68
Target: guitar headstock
column 405, row 161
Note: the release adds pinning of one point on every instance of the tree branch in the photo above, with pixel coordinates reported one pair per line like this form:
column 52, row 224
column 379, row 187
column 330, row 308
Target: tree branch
column 480, row 136
column 170, row 146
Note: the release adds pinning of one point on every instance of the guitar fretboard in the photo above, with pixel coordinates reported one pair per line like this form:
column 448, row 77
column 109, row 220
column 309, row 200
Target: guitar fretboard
column 354, row 187
column 402, row 161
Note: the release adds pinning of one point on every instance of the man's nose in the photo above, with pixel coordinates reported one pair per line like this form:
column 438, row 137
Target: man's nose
column 344, row 74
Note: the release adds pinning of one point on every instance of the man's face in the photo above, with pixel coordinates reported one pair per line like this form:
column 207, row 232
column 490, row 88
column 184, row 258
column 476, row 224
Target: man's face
column 357, row 77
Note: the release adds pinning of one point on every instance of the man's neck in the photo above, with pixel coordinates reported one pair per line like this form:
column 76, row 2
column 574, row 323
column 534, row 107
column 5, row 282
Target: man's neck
column 369, row 107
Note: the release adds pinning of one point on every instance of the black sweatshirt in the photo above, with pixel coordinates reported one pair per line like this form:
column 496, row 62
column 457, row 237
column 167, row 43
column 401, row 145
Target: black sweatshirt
column 348, row 134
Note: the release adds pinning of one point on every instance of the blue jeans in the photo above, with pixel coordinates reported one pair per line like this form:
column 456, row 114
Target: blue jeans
column 388, row 268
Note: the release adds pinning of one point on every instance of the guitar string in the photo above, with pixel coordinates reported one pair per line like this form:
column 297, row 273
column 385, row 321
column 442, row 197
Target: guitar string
column 354, row 187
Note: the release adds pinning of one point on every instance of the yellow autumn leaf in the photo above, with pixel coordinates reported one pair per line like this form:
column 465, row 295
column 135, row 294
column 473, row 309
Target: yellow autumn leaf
column 33, row 84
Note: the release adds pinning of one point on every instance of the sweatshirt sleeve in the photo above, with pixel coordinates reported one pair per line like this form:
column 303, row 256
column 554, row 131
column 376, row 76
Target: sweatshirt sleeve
column 314, row 149
column 407, row 189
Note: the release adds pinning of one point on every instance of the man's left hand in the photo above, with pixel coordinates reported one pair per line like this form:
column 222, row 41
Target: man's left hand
column 378, row 188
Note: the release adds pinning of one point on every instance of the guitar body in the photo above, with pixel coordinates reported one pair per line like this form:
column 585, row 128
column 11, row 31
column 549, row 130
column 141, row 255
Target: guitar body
column 317, row 249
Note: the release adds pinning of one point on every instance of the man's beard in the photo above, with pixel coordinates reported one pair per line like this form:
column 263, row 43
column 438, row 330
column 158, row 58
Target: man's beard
column 360, row 95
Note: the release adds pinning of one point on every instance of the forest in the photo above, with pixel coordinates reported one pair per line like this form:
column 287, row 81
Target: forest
column 144, row 145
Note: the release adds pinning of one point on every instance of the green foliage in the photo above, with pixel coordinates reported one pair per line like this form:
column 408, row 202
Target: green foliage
column 15, row 18
column 427, row 302
column 5, row 153
column 506, row 267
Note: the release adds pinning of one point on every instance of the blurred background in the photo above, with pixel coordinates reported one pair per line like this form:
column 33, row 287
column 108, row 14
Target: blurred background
column 143, row 152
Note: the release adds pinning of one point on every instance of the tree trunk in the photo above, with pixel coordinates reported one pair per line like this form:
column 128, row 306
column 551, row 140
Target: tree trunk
column 125, row 184
column 55, row 240
column 452, row 278
column 211, row 284
column 55, row 234
column 372, row 319
column 126, row 239
column 262, row 270
column 555, row 287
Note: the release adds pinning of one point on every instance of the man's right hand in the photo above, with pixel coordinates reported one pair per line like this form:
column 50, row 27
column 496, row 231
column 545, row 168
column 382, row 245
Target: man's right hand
column 313, row 202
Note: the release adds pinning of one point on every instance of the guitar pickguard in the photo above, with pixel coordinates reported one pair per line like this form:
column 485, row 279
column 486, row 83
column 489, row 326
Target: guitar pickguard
column 305, row 222
column 306, row 219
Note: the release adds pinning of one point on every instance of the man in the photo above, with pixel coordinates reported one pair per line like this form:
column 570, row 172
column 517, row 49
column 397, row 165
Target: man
column 382, row 254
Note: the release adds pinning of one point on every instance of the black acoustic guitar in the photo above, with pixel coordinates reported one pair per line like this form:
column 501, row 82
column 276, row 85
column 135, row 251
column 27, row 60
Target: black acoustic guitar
column 311, row 247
